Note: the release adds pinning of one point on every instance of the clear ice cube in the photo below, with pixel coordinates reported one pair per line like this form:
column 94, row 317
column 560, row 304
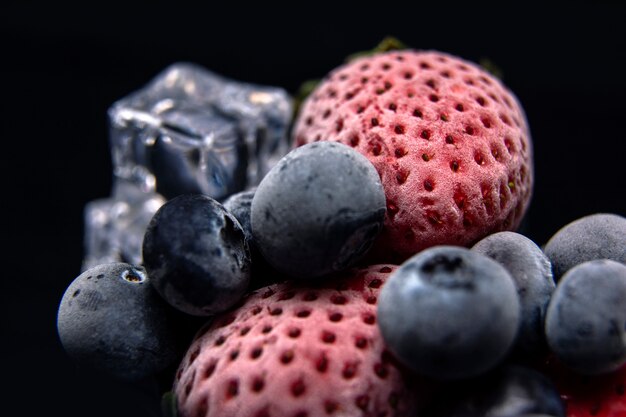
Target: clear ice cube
column 188, row 130
column 114, row 228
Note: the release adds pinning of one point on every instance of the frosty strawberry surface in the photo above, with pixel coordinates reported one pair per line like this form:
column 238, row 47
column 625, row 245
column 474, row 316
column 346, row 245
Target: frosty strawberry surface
column 450, row 142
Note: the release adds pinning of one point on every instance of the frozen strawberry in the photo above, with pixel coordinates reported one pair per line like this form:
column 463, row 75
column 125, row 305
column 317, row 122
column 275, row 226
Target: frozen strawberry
column 294, row 349
column 450, row 142
column 590, row 396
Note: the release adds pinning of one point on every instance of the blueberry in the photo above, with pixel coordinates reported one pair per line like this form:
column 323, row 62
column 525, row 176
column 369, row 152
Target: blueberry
column 196, row 255
column 586, row 319
column 532, row 274
column 112, row 320
column 239, row 205
column 318, row 210
column 449, row 313
column 262, row 274
column 509, row 391
column 597, row 236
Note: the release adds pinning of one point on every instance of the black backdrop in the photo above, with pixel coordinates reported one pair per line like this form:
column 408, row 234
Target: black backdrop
column 62, row 67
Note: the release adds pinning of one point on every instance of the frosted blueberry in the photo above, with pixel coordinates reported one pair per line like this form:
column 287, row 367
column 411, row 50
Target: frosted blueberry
column 196, row 254
column 449, row 313
column 597, row 236
column 532, row 274
column 262, row 274
column 239, row 205
column 586, row 319
column 318, row 210
column 111, row 319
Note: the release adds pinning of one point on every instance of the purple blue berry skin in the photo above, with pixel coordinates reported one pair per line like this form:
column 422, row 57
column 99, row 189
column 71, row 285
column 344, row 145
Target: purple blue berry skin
column 196, row 255
column 111, row 319
column 449, row 313
column 509, row 391
column 262, row 274
column 318, row 210
column 586, row 319
column 531, row 271
column 239, row 205
column 596, row 236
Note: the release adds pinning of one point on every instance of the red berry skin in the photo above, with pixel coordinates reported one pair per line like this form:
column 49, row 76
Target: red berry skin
column 298, row 348
column 451, row 145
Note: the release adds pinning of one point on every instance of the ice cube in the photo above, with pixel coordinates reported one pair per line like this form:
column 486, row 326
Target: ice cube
column 190, row 130
column 114, row 227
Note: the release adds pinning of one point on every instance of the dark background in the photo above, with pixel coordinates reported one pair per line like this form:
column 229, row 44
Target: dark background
column 61, row 68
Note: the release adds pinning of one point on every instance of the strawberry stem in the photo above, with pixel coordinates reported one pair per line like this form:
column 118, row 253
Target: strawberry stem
column 389, row 43
column 306, row 88
column 168, row 405
column 489, row 66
